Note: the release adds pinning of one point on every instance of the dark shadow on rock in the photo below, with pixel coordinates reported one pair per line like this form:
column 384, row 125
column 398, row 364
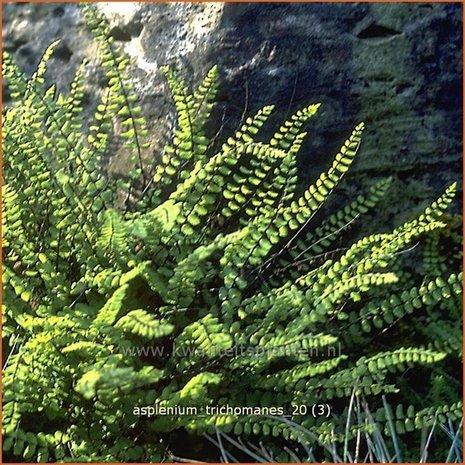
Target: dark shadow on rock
column 290, row 55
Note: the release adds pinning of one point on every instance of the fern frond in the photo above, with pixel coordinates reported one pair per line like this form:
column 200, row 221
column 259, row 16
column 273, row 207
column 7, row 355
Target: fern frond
column 141, row 323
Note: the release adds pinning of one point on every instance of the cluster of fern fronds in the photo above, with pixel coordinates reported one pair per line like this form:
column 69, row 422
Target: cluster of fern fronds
column 205, row 281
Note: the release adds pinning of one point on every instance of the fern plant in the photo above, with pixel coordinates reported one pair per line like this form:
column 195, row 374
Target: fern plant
column 206, row 282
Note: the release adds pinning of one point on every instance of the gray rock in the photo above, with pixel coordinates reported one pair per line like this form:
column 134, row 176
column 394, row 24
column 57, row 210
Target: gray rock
column 395, row 66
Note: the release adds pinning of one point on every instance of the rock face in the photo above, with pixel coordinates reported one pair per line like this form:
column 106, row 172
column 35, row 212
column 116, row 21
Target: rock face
column 395, row 66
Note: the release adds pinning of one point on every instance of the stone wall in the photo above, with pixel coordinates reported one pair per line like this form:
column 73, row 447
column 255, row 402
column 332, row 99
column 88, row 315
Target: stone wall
column 395, row 66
